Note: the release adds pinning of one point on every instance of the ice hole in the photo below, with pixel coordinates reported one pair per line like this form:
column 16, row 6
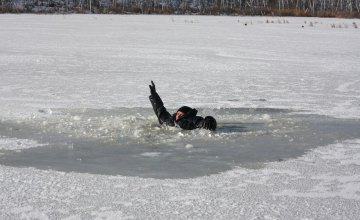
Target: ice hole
column 129, row 141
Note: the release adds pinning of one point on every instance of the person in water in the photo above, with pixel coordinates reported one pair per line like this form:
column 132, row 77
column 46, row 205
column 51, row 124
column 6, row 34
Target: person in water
column 185, row 117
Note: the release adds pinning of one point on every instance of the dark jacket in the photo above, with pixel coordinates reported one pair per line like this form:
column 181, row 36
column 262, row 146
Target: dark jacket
column 189, row 121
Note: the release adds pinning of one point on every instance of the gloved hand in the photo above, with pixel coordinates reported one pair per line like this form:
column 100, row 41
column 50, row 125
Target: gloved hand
column 152, row 88
column 209, row 123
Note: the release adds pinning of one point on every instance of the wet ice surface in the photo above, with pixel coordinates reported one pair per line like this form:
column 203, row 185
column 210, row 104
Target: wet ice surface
column 128, row 141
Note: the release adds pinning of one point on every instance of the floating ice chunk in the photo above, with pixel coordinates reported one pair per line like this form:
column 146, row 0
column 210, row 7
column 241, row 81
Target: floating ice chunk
column 266, row 117
column 151, row 154
column 180, row 134
column 189, row 146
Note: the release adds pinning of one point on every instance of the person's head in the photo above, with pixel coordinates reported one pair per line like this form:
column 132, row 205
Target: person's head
column 181, row 112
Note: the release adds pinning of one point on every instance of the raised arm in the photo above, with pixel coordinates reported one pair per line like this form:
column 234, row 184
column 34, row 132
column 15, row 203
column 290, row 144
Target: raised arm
column 162, row 114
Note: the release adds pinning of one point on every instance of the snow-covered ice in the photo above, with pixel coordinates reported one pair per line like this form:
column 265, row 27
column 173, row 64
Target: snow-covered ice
column 57, row 71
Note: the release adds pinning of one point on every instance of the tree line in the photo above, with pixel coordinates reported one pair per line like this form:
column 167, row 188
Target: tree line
column 322, row 8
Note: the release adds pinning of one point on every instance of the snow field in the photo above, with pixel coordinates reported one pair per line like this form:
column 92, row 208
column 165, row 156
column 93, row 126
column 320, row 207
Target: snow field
column 95, row 61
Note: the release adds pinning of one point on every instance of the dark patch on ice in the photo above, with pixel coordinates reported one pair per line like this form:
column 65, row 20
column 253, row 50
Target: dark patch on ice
column 259, row 100
column 245, row 137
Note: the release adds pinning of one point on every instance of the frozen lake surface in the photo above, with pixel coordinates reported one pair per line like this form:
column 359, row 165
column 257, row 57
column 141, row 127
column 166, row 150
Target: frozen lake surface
column 78, row 138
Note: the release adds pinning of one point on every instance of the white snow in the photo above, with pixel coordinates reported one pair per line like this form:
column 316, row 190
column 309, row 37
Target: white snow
column 106, row 61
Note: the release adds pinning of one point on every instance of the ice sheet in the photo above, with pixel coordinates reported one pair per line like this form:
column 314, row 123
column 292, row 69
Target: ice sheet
column 107, row 61
column 94, row 61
